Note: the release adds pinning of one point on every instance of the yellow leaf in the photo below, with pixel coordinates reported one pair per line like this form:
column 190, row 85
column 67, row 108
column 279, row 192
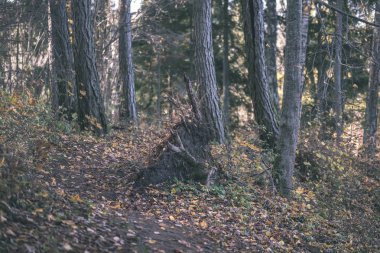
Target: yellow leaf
column 151, row 241
column 268, row 233
column 171, row 217
column 300, row 190
column 76, row 198
column 203, row 225
column 39, row 210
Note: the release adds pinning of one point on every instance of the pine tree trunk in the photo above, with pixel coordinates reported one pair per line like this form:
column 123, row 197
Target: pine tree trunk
column 205, row 70
column 63, row 58
column 226, row 64
column 338, row 105
column 129, row 111
column 306, row 5
column 291, row 106
column 91, row 113
column 271, row 50
column 264, row 109
column 370, row 127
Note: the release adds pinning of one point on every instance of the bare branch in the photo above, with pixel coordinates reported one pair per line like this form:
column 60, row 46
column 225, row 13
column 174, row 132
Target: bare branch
column 345, row 13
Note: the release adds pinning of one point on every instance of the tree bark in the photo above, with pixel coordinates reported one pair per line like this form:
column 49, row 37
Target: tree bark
column 291, row 106
column 338, row 105
column 370, row 126
column 63, row 58
column 205, row 70
column 271, row 50
column 264, row 109
column 129, row 109
column 91, row 113
column 226, row 64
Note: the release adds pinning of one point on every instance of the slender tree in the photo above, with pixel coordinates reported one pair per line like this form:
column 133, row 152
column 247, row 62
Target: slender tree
column 291, row 105
column 338, row 101
column 271, row 49
column 226, row 63
column 63, row 58
column 129, row 111
column 370, row 126
column 264, row 109
column 205, row 69
column 91, row 113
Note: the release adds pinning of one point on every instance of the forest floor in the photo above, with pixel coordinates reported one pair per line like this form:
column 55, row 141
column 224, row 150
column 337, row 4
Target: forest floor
column 65, row 191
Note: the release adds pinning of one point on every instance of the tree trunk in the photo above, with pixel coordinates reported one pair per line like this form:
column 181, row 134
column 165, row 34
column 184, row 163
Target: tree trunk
column 205, row 70
column 264, row 109
column 129, row 111
column 290, row 116
column 271, row 50
column 306, row 5
column 226, row 64
column 52, row 80
column 63, row 63
column 338, row 104
column 370, row 126
column 91, row 114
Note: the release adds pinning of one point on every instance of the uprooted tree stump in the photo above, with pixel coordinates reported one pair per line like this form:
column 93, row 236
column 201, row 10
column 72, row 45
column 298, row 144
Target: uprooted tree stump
column 186, row 154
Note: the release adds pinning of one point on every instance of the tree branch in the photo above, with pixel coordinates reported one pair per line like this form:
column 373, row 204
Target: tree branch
column 345, row 13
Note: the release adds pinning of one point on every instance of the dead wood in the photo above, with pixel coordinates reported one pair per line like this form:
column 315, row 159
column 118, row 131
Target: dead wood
column 186, row 154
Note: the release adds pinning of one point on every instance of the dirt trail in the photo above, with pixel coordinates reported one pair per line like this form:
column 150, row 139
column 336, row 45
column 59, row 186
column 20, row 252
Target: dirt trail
column 103, row 214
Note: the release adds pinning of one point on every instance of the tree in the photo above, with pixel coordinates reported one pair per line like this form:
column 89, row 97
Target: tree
column 63, row 59
column 291, row 106
column 205, row 70
column 91, row 113
column 264, row 108
column 271, row 49
column 226, row 64
column 338, row 105
column 370, row 125
column 129, row 111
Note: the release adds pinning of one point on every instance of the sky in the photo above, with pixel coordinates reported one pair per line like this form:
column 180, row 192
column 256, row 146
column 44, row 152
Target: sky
column 135, row 5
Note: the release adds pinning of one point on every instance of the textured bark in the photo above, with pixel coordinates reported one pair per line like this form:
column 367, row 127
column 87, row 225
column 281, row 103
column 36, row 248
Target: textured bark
column 264, row 109
column 306, row 6
column 271, row 50
column 91, row 113
column 338, row 105
column 291, row 106
column 205, row 70
column 226, row 64
column 51, row 81
column 129, row 111
column 370, row 127
column 63, row 58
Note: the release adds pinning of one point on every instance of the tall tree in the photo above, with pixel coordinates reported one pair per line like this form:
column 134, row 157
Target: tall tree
column 129, row 111
column 371, row 115
column 226, row 63
column 91, row 113
column 63, row 59
column 271, row 49
column 264, row 109
column 291, row 105
column 338, row 104
column 205, row 69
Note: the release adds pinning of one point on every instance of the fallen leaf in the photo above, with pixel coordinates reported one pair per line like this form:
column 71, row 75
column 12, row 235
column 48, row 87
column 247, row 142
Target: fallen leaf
column 67, row 246
column 203, row 225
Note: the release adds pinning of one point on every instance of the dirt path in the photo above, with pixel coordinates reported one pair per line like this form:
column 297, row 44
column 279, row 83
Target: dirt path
column 97, row 209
